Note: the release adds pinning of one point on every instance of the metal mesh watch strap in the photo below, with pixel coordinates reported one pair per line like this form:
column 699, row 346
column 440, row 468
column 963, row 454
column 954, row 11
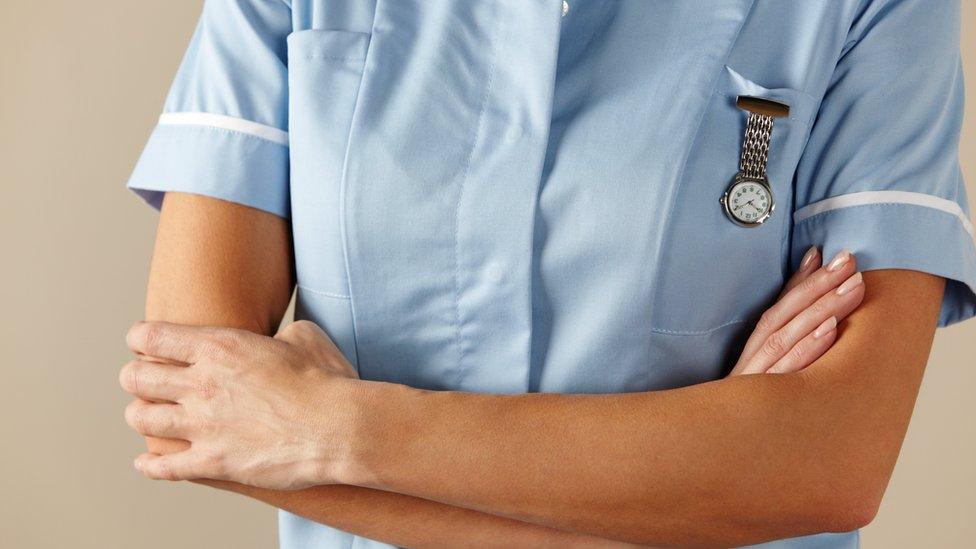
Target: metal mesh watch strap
column 755, row 146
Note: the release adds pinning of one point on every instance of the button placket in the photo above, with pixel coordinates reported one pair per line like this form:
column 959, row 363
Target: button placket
column 496, row 210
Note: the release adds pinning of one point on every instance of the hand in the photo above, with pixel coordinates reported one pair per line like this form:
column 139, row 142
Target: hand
column 801, row 326
column 267, row 412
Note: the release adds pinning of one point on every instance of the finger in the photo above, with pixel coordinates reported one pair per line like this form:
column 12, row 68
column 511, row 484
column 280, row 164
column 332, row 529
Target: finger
column 170, row 341
column 157, row 420
column 838, row 303
column 166, row 445
column 154, row 380
column 808, row 265
column 179, row 466
column 808, row 349
column 810, row 289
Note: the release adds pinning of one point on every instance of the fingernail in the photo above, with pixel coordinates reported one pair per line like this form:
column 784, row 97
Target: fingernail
column 828, row 326
column 852, row 282
column 839, row 260
column 137, row 463
column 808, row 258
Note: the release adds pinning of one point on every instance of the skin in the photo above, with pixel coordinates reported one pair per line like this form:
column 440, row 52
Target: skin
column 807, row 451
column 218, row 263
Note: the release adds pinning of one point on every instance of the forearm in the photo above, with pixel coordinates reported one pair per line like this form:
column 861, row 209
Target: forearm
column 730, row 462
column 220, row 264
column 413, row 522
column 703, row 465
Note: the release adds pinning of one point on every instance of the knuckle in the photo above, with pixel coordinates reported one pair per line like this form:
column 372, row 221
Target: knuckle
column 820, row 306
column 206, row 387
column 133, row 336
column 798, row 353
column 164, row 380
column 150, row 336
column 767, row 321
column 775, row 345
column 128, row 376
column 215, row 461
column 165, row 470
column 808, row 284
column 127, row 413
column 769, row 352
column 166, row 423
column 221, row 344
column 218, row 465
column 202, row 425
column 135, row 416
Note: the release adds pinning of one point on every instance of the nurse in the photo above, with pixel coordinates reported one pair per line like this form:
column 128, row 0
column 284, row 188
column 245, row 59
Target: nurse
column 532, row 239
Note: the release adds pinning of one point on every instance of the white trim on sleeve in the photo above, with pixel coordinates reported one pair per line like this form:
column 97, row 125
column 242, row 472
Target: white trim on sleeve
column 224, row 122
column 884, row 197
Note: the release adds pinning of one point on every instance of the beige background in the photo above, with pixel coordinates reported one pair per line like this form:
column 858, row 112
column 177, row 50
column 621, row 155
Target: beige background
column 81, row 84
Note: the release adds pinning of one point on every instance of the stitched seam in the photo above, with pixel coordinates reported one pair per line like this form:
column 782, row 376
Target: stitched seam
column 457, row 209
column 343, row 234
column 698, row 332
column 222, row 130
column 335, row 57
column 323, row 293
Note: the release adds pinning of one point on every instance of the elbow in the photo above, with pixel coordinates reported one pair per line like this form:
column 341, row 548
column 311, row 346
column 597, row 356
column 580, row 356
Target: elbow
column 849, row 508
column 851, row 514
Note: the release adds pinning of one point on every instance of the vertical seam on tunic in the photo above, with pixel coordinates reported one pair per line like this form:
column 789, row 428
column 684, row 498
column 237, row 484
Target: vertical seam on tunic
column 343, row 233
column 457, row 208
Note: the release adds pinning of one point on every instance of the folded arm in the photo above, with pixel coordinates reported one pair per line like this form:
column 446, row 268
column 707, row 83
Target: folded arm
column 217, row 263
column 731, row 462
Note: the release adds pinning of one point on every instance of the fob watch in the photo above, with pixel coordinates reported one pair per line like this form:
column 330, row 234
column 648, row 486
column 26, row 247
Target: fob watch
column 748, row 200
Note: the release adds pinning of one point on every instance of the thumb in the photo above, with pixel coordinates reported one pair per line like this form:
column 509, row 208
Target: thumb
column 307, row 335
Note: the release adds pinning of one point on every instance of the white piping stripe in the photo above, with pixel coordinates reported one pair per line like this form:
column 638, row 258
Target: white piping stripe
column 224, row 122
column 884, row 197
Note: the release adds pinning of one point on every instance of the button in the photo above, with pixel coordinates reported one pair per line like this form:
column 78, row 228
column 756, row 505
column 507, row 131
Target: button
column 514, row 133
column 494, row 272
column 565, row 8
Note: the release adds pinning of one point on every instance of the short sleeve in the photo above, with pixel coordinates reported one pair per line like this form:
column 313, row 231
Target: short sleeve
column 880, row 173
column 224, row 127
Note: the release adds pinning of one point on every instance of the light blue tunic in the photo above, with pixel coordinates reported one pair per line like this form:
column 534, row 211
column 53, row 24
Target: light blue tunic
column 489, row 196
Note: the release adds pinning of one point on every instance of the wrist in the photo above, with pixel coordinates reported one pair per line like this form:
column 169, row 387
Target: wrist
column 378, row 423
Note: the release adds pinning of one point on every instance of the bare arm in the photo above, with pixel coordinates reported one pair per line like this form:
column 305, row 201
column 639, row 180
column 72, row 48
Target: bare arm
column 731, row 462
column 217, row 263
column 736, row 461
column 320, row 503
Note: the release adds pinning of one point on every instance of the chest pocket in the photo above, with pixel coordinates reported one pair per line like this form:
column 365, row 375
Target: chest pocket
column 325, row 71
column 714, row 273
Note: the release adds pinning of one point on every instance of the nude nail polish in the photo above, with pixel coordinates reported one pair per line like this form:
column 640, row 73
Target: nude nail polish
column 839, row 260
column 808, row 258
column 852, row 282
column 828, row 326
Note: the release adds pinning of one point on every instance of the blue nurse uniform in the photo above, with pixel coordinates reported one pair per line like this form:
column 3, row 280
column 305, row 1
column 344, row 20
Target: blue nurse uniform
column 497, row 196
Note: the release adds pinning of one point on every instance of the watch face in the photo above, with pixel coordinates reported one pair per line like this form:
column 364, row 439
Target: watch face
column 748, row 202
